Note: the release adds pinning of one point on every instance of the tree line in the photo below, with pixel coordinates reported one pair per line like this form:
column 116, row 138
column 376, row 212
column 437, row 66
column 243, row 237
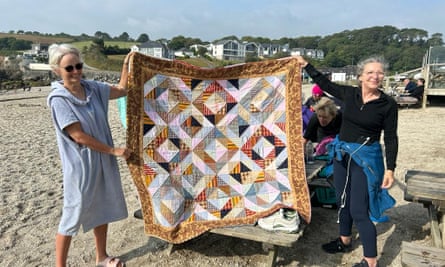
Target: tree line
column 403, row 48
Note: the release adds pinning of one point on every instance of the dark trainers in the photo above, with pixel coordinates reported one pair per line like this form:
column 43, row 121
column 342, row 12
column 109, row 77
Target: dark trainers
column 336, row 246
column 363, row 263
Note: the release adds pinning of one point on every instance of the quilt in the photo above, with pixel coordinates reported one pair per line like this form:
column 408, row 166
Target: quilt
column 214, row 147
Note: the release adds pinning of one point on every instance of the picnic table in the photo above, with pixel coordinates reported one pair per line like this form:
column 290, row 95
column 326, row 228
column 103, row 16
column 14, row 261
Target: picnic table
column 427, row 188
column 272, row 241
column 406, row 101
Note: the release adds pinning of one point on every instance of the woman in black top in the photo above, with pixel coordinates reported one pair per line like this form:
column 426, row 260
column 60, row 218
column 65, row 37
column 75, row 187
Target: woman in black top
column 360, row 177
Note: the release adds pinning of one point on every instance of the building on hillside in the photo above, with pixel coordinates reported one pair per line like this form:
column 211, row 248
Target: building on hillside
column 39, row 66
column 153, row 48
column 341, row 74
column 234, row 50
column 268, row 50
column 253, row 49
column 197, row 47
column 310, row 53
column 37, row 50
column 228, row 50
column 237, row 51
column 184, row 52
column 338, row 77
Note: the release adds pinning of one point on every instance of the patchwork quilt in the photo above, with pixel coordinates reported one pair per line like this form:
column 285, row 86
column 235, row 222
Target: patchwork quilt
column 214, row 147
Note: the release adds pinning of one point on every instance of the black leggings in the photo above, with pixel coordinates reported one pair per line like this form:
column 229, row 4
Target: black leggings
column 356, row 204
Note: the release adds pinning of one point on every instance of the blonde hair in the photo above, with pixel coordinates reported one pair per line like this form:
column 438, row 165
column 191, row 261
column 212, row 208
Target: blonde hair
column 327, row 105
column 57, row 51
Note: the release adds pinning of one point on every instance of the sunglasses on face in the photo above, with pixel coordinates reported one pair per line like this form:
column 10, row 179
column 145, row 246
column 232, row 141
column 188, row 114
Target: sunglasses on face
column 70, row 68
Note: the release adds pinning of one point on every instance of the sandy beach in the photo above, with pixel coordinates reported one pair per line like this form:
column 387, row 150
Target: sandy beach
column 31, row 201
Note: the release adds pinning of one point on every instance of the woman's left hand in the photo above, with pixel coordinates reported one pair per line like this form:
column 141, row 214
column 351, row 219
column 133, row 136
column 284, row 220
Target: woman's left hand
column 388, row 179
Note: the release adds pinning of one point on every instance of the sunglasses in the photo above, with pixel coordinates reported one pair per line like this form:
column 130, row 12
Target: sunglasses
column 70, row 68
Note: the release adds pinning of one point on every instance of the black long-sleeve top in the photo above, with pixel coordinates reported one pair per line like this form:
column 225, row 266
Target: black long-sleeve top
column 418, row 92
column 363, row 120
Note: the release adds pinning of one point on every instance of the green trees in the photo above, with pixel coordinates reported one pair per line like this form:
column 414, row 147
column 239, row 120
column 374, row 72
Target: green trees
column 11, row 43
column 143, row 38
column 404, row 48
column 180, row 41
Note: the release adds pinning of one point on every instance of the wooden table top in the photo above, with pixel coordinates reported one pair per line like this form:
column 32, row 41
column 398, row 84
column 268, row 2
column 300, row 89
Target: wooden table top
column 426, row 186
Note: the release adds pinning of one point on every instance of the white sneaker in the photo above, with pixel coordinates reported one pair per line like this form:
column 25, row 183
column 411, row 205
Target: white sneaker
column 285, row 220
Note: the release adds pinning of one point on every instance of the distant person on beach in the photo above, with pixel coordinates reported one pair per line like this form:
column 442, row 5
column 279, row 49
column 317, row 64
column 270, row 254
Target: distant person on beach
column 409, row 85
column 316, row 95
column 360, row 178
column 415, row 96
column 93, row 195
column 418, row 91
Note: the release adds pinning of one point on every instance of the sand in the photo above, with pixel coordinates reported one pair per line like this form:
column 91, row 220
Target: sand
column 31, row 200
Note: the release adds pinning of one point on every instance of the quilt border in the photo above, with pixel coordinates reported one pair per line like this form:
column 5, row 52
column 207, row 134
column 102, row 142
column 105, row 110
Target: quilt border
column 143, row 67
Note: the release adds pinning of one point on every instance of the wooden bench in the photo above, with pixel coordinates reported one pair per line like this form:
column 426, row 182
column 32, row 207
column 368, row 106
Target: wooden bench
column 416, row 255
column 271, row 241
column 428, row 188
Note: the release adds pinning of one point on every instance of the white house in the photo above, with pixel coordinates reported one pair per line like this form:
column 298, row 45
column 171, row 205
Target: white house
column 39, row 66
column 270, row 50
column 310, row 53
column 152, row 48
column 184, row 52
column 228, row 50
column 197, row 46
column 338, row 76
column 37, row 50
column 234, row 50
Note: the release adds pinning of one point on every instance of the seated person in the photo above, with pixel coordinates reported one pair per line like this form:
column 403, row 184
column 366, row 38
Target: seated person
column 322, row 128
column 409, row 85
column 418, row 91
column 325, row 123
column 415, row 96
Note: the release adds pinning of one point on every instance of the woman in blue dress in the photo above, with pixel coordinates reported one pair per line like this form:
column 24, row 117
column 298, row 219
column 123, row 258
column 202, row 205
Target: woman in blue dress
column 93, row 195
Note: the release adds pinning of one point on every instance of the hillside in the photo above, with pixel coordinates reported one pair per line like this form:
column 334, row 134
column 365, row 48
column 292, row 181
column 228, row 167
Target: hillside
column 404, row 49
column 37, row 38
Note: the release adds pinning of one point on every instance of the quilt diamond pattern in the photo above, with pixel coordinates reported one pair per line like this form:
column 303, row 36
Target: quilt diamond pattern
column 214, row 147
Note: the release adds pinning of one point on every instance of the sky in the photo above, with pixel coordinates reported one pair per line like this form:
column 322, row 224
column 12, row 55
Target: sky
column 210, row 20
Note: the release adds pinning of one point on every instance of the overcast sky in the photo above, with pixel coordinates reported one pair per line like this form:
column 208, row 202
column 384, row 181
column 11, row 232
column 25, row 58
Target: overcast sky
column 209, row 20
